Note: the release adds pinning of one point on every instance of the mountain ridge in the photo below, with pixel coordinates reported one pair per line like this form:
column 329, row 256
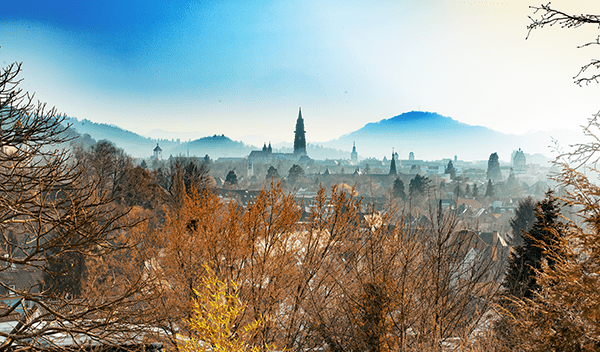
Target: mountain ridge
column 432, row 136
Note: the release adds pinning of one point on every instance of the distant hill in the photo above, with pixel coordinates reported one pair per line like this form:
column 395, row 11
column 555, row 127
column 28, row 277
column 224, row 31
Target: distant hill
column 432, row 136
column 139, row 146
column 215, row 146
column 131, row 142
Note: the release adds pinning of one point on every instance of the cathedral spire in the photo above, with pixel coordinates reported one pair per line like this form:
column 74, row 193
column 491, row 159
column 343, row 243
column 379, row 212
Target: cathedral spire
column 300, row 135
column 393, row 164
column 354, row 154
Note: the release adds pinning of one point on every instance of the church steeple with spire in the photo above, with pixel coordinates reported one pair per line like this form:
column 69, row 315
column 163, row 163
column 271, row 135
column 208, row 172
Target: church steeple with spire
column 354, row 154
column 300, row 135
column 393, row 164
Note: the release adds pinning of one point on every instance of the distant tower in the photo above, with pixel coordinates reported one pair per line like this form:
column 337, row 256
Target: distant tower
column 354, row 154
column 393, row 165
column 300, row 135
column 411, row 156
column 157, row 152
column 269, row 148
column 250, row 171
column 519, row 162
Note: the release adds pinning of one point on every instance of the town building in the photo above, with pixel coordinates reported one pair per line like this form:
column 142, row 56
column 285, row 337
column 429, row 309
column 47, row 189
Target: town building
column 266, row 155
column 519, row 162
column 157, row 152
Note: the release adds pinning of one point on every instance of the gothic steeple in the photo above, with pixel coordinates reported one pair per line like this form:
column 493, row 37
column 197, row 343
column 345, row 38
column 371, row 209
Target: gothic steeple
column 393, row 164
column 354, row 154
column 300, row 135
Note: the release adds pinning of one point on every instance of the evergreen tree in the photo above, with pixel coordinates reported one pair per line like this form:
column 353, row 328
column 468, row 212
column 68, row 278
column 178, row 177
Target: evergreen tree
column 523, row 220
column 398, row 189
column 475, row 191
column 489, row 191
column 367, row 169
column 522, row 285
column 457, row 190
column 418, row 185
column 294, row 173
column 493, row 170
column 231, row 178
column 512, row 184
column 547, row 230
column 272, row 174
column 467, row 190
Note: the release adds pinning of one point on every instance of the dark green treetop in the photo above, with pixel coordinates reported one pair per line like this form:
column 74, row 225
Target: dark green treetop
column 493, row 170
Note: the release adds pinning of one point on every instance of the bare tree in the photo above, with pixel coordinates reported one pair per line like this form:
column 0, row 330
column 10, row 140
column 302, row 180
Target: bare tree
column 545, row 15
column 49, row 214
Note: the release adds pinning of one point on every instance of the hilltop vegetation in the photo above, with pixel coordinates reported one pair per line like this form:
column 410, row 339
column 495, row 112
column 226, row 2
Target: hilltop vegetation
column 139, row 146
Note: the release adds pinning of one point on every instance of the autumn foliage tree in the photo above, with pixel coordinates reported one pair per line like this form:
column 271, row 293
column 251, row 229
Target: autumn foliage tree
column 343, row 278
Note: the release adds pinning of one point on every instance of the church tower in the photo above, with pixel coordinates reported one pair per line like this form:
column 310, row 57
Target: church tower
column 299, row 136
column 157, row 152
column 393, row 164
column 354, row 154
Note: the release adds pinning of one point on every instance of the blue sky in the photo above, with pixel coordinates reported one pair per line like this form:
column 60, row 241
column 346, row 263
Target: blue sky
column 242, row 68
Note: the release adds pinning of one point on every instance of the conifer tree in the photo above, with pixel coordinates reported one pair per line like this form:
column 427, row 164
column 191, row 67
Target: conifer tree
column 272, row 174
column 457, row 190
column 547, row 230
column 398, row 189
column 418, row 185
column 523, row 220
column 493, row 170
column 489, row 191
column 295, row 173
column 231, row 178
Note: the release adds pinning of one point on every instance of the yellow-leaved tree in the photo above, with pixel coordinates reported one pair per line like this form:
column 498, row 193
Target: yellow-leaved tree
column 216, row 309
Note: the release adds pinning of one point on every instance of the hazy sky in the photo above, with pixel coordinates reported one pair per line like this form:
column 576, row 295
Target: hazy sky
column 243, row 68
